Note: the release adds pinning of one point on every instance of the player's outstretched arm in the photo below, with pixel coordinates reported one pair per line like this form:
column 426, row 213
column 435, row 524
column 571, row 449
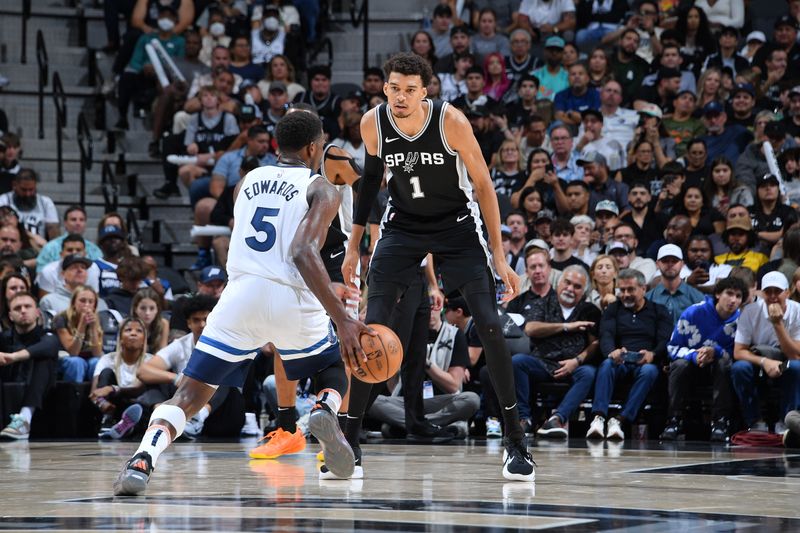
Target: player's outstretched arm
column 323, row 200
column 368, row 189
column 459, row 136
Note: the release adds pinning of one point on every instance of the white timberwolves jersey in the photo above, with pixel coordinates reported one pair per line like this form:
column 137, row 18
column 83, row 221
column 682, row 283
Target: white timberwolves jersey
column 270, row 206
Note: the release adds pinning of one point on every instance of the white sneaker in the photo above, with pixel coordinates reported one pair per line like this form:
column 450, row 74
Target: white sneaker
column 614, row 430
column 250, row 427
column 493, row 429
column 179, row 160
column 596, row 428
column 193, row 428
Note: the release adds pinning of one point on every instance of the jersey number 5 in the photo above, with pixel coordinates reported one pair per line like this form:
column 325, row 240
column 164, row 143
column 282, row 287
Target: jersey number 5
column 261, row 225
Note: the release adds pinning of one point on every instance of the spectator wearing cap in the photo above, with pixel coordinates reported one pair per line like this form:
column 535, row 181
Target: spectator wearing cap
column 646, row 223
column 474, row 97
column 672, row 292
column 487, row 40
column 752, row 44
column 37, row 212
column 74, row 221
column 596, row 174
column 683, row 126
column 327, row 104
column 743, row 105
column 267, row 35
column 605, row 218
column 791, row 119
column 545, row 17
column 727, row 56
column 651, row 128
column 663, row 92
column 633, row 339
column 520, row 62
column 585, row 241
column 785, row 39
column 541, row 224
column 670, row 58
column 552, row 76
column 752, row 164
column 628, row 68
column 721, row 138
column 211, row 282
column 771, row 217
column 623, row 249
column 766, row 335
column 592, row 140
column 618, row 122
column 570, row 103
column 111, row 240
column 740, row 239
column 700, row 350
column 276, row 105
column 50, row 278
column 73, row 272
column 440, row 29
column 459, row 43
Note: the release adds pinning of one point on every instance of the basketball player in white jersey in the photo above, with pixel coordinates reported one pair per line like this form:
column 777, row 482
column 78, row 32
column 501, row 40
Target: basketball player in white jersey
column 277, row 291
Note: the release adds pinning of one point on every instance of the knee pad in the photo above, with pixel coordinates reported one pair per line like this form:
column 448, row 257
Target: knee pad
column 172, row 414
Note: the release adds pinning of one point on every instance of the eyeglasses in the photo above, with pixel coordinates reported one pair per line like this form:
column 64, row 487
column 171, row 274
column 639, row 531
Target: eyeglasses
column 559, row 138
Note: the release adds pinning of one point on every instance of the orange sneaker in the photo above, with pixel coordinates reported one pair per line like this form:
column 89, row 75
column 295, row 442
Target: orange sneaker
column 279, row 442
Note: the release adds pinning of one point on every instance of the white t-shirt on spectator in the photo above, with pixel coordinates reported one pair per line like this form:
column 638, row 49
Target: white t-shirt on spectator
column 262, row 52
column 127, row 373
column 176, row 354
column 49, row 279
column 545, row 12
column 44, row 212
column 754, row 326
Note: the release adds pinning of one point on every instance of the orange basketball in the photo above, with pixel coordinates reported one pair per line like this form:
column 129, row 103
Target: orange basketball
column 384, row 355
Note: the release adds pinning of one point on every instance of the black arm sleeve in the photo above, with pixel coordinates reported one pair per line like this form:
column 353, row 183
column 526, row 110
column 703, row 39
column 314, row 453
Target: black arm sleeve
column 368, row 188
column 46, row 348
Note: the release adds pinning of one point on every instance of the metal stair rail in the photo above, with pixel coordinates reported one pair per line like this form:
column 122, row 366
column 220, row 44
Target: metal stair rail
column 86, row 148
column 362, row 16
column 60, row 103
column 44, row 74
column 26, row 15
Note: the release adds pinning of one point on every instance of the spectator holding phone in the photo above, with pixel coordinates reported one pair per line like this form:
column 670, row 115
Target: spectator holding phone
column 633, row 337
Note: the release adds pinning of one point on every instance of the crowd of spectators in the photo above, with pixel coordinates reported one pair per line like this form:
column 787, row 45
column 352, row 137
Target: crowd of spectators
column 646, row 162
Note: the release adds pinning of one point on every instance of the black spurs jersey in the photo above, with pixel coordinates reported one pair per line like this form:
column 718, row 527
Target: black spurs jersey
column 428, row 182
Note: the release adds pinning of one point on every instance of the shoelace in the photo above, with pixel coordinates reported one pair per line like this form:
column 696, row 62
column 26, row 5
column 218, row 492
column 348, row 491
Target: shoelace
column 518, row 448
column 270, row 435
column 17, row 422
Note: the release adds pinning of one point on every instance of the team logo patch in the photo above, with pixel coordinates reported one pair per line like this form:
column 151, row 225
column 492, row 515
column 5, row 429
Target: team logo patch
column 411, row 160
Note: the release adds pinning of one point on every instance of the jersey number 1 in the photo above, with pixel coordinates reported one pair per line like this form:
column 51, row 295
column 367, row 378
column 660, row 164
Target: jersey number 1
column 260, row 224
column 416, row 190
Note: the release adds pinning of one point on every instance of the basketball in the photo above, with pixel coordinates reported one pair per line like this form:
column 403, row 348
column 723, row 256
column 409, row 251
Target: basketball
column 384, row 355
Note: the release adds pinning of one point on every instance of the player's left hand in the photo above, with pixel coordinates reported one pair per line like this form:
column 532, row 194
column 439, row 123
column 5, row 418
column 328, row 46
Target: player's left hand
column 509, row 277
column 349, row 332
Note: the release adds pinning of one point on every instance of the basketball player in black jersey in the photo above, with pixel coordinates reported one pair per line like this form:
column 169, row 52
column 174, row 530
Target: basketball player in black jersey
column 435, row 161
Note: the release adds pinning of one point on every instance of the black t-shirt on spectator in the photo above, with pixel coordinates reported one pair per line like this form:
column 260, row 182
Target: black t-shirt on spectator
column 507, row 183
column 561, row 265
column 781, row 218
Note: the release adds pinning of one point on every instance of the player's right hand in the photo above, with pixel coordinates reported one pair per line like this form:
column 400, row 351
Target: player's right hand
column 349, row 332
column 509, row 277
column 350, row 266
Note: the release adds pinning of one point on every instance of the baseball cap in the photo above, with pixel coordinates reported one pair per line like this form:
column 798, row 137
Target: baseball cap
column 651, row 109
column 617, row 245
column 554, row 41
column 766, row 179
column 110, row 231
column 505, row 230
column 667, row 72
column 213, row 273
column 794, row 91
column 544, row 214
column 607, row 205
column 669, row 250
column 774, row 279
column 593, row 112
column 591, row 157
column 775, row 129
column 478, row 111
column 713, row 108
column 277, row 86
column 358, row 96
column 756, row 36
column 536, row 243
column 75, row 259
column 744, row 87
column 741, row 222
column 247, row 113
column 786, row 20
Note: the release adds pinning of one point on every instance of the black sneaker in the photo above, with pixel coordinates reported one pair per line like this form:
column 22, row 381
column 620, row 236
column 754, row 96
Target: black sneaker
column 431, row 434
column 167, row 190
column 133, row 478
column 358, row 471
column 339, row 456
column 720, row 430
column 527, row 426
column 673, row 429
column 517, row 462
column 553, row 428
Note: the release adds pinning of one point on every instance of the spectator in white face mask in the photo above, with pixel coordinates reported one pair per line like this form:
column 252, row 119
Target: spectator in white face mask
column 267, row 35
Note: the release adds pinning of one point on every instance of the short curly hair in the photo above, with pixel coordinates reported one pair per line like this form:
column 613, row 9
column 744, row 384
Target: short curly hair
column 409, row 64
column 296, row 130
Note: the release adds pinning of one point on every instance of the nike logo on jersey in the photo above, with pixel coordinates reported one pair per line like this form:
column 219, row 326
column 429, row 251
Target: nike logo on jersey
column 388, row 140
column 337, row 254
column 462, row 218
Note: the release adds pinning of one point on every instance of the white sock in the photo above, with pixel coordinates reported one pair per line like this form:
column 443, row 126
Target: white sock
column 156, row 439
column 331, row 398
column 27, row 414
column 202, row 414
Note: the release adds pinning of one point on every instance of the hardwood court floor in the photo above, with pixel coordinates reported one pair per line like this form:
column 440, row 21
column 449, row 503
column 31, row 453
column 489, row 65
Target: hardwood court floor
column 207, row 486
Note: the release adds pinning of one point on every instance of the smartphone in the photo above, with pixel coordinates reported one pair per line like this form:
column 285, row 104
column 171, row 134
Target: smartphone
column 705, row 265
column 549, row 168
column 631, row 357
